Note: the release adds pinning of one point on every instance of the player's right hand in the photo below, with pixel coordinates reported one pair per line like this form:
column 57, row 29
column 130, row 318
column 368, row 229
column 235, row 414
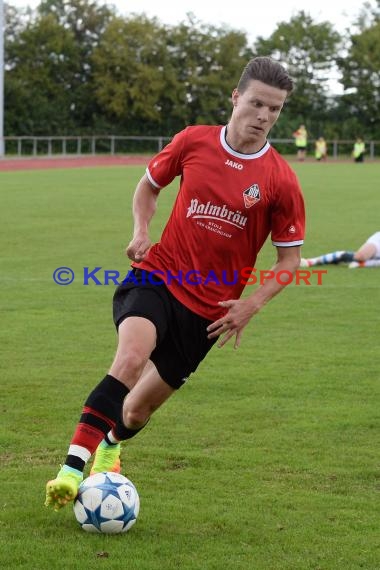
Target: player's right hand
column 138, row 247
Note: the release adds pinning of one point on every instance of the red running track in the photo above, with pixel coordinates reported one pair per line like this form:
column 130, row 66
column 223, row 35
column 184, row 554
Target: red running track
column 32, row 163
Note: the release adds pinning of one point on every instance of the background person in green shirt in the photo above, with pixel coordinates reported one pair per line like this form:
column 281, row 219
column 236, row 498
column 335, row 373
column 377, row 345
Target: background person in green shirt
column 358, row 150
column 320, row 149
column 300, row 139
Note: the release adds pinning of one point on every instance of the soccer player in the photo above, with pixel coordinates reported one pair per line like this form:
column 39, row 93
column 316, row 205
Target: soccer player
column 368, row 255
column 183, row 294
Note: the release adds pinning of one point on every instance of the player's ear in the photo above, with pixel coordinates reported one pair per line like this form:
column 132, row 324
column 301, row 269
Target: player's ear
column 235, row 97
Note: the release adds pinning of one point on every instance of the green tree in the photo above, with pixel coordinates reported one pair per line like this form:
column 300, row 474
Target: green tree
column 48, row 81
column 15, row 22
column 75, row 66
column 154, row 78
column 207, row 62
column 38, row 79
column 87, row 21
column 131, row 71
column 361, row 76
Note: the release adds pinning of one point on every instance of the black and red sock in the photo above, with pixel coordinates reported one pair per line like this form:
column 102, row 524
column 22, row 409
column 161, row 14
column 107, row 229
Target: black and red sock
column 101, row 412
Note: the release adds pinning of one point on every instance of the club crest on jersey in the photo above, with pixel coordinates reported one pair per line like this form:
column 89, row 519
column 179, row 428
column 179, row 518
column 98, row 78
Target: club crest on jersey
column 251, row 195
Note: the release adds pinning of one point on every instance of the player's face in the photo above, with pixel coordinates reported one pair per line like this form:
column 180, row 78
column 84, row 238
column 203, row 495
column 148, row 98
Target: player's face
column 255, row 111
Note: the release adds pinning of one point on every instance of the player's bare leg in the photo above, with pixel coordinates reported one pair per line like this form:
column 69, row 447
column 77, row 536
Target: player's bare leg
column 363, row 255
column 137, row 339
column 107, row 456
column 366, row 251
column 146, row 396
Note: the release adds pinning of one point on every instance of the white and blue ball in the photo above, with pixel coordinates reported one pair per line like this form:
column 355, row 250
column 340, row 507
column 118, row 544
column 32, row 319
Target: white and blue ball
column 107, row 503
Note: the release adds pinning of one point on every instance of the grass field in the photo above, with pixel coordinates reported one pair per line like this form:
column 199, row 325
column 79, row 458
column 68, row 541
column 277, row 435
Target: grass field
column 268, row 459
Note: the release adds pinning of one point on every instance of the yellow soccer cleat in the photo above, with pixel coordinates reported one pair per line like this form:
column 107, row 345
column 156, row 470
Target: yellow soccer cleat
column 62, row 489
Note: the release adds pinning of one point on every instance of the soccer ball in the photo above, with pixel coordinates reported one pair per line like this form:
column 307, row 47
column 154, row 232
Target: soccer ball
column 107, row 502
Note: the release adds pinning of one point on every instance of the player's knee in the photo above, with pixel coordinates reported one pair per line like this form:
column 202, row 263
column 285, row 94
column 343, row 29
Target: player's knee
column 130, row 363
column 135, row 418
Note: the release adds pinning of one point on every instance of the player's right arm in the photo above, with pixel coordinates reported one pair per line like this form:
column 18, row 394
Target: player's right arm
column 144, row 208
column 161, row 170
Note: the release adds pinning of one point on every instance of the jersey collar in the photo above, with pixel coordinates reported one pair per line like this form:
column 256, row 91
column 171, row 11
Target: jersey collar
column 241, row 155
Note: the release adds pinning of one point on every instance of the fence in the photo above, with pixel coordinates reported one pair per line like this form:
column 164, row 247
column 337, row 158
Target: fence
column 110, row 144
column 81, row 145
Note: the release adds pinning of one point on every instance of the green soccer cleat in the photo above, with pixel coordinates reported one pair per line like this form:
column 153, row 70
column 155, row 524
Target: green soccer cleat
column 107, row 458
column 62, row 489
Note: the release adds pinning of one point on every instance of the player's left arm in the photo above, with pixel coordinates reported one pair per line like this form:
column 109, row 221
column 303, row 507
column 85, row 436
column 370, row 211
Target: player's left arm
column 240, row 311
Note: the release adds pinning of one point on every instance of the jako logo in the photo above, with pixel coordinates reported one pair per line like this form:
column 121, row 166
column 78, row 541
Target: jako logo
column 234, row 164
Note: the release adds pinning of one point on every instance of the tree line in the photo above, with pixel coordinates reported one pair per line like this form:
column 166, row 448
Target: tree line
column 79, row 67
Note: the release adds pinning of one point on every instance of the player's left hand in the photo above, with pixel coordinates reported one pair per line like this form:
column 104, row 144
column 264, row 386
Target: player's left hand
column 239, row 313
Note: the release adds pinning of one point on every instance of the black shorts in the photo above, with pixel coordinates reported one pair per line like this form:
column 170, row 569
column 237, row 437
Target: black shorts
column 182, row 341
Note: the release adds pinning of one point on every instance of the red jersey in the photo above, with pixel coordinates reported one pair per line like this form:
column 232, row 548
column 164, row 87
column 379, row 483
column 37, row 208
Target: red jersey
column 227, row 205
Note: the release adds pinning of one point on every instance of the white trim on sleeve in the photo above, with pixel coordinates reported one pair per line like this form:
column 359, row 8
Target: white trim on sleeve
column 287, row 243
column 153, row 182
